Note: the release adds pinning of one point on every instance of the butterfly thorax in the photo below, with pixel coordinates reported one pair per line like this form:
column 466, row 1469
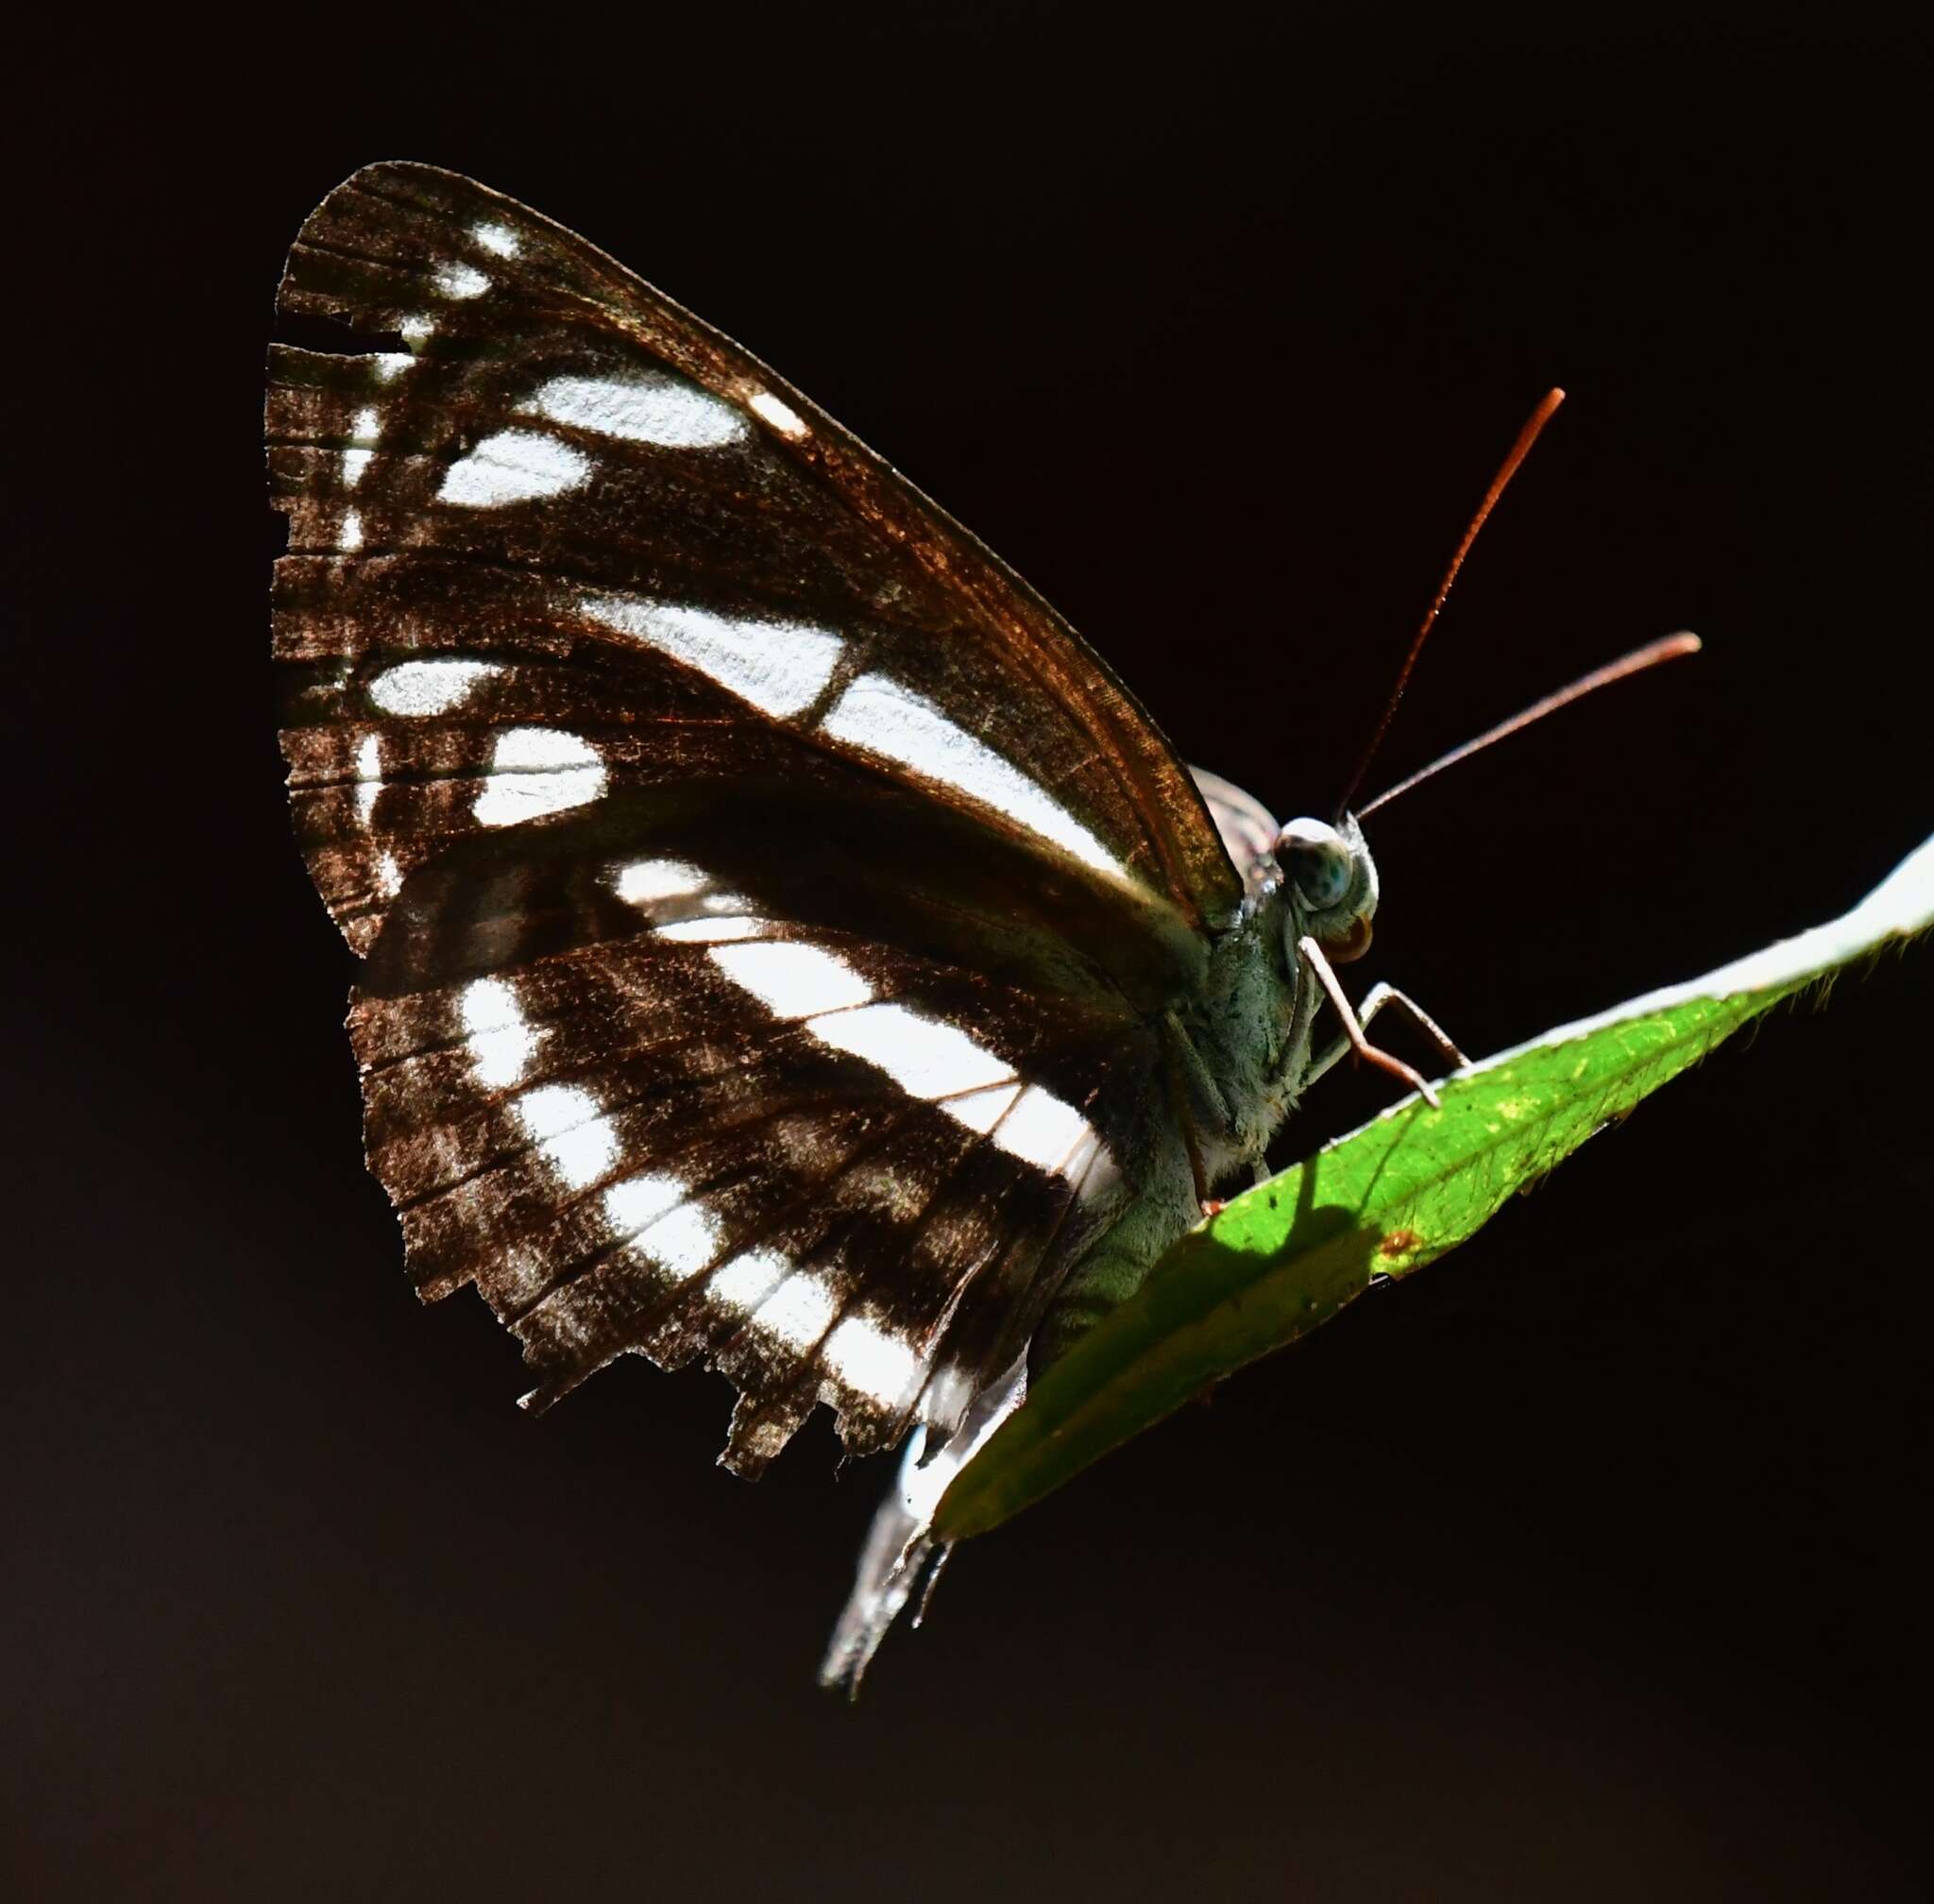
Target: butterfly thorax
column 1245, row 1038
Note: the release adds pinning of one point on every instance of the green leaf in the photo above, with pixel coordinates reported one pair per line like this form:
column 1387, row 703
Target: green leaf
column 1382, row 1202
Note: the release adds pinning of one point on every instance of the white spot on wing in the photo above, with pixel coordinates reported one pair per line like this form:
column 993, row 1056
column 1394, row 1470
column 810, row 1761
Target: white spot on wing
column 1041, row 1129
column 350, row 537
column 780, row 416
column 662, row 409
column 460, row 281
column 417, row 330
column 514, row 465
column 683, row 1240
column 780, row 667
column 872, row 1360
column 793, row 981
column 368, row 776
column 644, row 881
column 740, row 1286
column 651, row 1211
column 387, row 365
column 389, row 875
column 499, row 1038
column 489, row 1005
column 796, row 1312
column 921, row 1055
column 982, row 1109
column 565, row 1123
column 497, row 238
column 536, row 770
column 417, row 687
column 880, row 716
column 637, row 1202
column 364, row 428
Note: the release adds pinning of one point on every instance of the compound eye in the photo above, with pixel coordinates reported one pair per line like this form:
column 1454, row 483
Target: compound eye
column 1316, row 862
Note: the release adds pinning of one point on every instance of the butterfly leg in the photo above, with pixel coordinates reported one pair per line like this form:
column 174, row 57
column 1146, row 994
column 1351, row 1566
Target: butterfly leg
column 1381, row 995
column 1184, row 1068
column 1353, row 1038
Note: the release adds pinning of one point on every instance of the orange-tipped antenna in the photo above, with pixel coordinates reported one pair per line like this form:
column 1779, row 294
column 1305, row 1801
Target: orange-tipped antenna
column 1667, row 649
column 1526, row 437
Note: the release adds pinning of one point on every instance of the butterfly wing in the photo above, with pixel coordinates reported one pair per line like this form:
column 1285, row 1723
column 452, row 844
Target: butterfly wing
column 1247, row 828
column 564, row 462
column 765, row 895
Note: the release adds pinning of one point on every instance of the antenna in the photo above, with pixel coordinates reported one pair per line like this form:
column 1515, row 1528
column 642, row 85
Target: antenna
column 1526, row 437
column 1669, row 648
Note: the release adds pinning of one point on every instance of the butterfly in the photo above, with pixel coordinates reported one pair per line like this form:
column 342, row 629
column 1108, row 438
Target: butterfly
column 787, row 946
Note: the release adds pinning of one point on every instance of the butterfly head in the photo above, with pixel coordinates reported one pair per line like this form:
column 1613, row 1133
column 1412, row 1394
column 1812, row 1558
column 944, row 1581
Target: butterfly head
column 1331, row 881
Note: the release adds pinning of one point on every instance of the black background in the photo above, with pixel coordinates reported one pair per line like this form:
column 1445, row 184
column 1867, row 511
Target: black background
column 1586, row 1565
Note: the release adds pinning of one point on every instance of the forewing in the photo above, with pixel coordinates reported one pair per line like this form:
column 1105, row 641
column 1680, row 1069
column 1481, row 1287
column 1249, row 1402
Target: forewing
column 561, row 538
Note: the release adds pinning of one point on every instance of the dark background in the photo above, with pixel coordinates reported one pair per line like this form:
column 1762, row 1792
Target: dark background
column 1587, row 1564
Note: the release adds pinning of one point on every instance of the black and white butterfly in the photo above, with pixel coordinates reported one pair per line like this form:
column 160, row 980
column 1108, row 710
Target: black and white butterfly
column 787, row 945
